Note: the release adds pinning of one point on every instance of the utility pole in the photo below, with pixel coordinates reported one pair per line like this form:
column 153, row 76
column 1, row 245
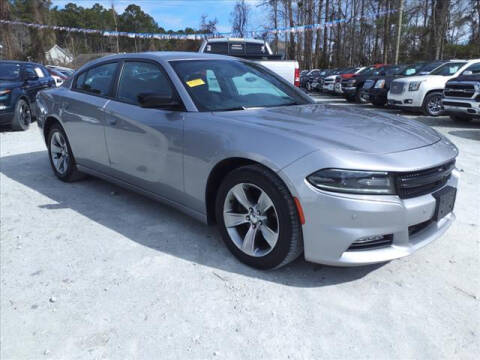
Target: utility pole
column 116, row 27
column 399, row 32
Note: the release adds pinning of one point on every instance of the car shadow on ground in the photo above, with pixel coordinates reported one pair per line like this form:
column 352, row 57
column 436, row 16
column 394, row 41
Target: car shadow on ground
column 158, row 226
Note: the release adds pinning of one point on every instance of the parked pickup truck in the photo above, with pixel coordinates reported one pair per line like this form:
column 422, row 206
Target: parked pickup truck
column 425, row 92
column 255, row 50
column 461, row 97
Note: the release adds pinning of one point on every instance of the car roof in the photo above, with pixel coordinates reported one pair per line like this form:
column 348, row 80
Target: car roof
column 19, row 62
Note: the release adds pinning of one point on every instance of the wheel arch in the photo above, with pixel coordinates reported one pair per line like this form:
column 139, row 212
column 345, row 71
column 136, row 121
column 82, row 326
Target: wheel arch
column 47, row 125
column 220, row 171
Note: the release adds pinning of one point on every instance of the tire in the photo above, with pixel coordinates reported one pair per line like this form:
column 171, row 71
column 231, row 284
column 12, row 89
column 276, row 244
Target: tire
column 359, row 98
column 59, row 148
column 280, row 221
column 460, row 118
column 22, row 117
column 432, row 104
column 309, row 86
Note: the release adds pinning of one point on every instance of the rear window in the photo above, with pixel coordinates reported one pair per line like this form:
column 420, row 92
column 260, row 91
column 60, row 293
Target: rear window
column 97, row 80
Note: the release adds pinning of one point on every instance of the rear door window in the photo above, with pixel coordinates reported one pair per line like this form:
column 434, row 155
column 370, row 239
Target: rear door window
column 142, row 78
column 97, row 80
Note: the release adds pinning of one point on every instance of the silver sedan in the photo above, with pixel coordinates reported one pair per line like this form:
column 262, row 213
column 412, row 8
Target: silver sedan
column 229, row 142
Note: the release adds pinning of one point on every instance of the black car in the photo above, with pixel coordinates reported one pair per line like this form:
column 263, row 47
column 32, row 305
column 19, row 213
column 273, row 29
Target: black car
column 317, row 81
column 352, row 87
column 377, row 94
column 309, row 77
column 19, row 83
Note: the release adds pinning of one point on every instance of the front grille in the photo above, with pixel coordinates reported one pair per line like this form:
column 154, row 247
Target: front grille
column 329, row 81
column 459, row 90
column 368, row 84
column 384, row 241
column 423, row 182
column 397, row 87
column 456, row 103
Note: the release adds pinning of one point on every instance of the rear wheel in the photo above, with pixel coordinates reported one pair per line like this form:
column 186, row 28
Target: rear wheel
column 22, row 116
column 432, row 105
column 61, row 157
column 258, row 218
column 460, row 118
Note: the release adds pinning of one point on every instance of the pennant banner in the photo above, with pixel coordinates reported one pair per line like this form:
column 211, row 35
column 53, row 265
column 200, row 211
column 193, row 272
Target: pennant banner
column 293, row 29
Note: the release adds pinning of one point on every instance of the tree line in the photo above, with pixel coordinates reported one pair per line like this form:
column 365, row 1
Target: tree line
column 429, row 29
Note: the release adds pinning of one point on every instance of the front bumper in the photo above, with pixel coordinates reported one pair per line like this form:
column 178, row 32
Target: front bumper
column 329, row 87
column 335, row 221
column 461, row 107
column 350, row 218
column 407, row 99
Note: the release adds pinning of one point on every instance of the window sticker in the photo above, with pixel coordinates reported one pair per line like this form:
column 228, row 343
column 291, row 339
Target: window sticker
column 39, row 72
column 195, row 82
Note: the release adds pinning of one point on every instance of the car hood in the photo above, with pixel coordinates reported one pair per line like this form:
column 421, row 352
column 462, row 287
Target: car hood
column 328, row 126
column 8, row 84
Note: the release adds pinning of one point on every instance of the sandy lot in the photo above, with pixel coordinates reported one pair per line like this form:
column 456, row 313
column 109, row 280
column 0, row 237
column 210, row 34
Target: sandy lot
column 89, row 270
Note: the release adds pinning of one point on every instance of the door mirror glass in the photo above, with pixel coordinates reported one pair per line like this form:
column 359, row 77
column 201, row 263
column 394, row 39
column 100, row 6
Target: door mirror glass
column 467, row 72
column 153, row 100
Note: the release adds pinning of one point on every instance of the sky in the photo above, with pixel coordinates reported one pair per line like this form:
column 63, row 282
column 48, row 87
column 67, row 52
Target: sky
column 179, row 14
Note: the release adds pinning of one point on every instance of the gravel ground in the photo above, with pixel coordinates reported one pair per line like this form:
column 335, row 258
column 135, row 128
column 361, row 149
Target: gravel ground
column 89, row 270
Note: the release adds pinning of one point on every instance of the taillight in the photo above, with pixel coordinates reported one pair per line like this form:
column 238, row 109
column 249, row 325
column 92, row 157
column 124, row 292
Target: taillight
column 296, row 82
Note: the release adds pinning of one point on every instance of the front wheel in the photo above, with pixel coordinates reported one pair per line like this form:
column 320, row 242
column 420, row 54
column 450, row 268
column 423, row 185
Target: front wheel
column 360, row 97
column 22, row 116
column 309, row 86
column 432, row 105
column 258, row 218
column 61, row 157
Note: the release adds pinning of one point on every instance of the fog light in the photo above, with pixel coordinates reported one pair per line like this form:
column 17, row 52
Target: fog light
column 368, row 239
column 374, row 241
column 408, row 101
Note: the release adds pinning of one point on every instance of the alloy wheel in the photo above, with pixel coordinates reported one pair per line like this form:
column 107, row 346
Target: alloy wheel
column 59, row 152
column 25, row 114
column 251, row 219
column 434, row 105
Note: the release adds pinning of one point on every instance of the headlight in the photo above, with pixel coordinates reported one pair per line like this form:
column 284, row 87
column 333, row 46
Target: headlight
column 380, row 84
column 414, row 85
column 5, row 92
column 353, row 181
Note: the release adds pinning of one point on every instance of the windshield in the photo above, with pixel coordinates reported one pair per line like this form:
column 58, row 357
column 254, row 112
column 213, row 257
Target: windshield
column 411, row 70
column 472, row 69
column 448, row 69
column 427, row 68
column 222, row 85
column 9, row 71
column 366, row 71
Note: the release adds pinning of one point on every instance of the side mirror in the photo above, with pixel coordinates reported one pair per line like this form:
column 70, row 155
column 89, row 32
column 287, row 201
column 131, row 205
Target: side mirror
column 467, row 72
column 152, row 100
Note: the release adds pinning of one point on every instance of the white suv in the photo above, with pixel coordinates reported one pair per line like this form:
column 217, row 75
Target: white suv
column 425, row 92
